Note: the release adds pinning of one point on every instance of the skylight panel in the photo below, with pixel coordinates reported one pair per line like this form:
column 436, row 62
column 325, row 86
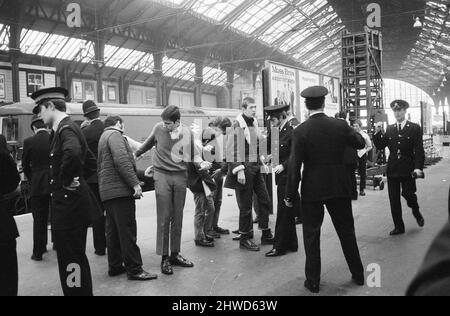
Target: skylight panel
column 216, row 9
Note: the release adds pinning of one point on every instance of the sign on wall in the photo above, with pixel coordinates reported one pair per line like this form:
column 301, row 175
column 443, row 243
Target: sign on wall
column 2, row 87
column 332, row 99
column 306, row 80
column 283, row 86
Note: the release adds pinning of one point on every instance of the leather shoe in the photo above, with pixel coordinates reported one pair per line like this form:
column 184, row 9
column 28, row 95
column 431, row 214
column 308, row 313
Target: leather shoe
column 221, row 231
column 397, row 232
column 275, row 253
column 179, row 261
column 116, row 272
column 359, row 280
column 204, row 243
column 241, row 237
column 166, row 267
column 142, row 276
column 362, row 193
column 267, row 238
column 419, row 218
column 214, row 235
column 209, row 238
column 312, row 287
column 236, row 232
column 249, row 245
column 36, row 258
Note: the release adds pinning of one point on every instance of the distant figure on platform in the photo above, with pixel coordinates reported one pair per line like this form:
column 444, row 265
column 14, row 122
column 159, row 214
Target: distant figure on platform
column 350, row 161
column 92, row 130
column 219, row 168
column 9, row 277
column 362, row 157
column 36, row 166
column 246, row 178
column 74, row 207
column 406, row 163
column 119, row 187
column 285, row 231
column 174, row 144
column 318, row 145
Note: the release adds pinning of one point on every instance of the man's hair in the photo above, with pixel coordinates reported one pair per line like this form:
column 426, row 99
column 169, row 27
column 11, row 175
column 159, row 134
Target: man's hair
column 171, row 113
column 343, row 115
column 222, row 122
column 112, row 120
column 279, row 115
column 247, row 101
column 93, row 115
column 60, row 105
column 38, row 124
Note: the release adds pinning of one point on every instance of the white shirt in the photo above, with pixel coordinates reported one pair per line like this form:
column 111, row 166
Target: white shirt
column 368, row 147
column 315, row 113
column 58, row 121
column 402, row 124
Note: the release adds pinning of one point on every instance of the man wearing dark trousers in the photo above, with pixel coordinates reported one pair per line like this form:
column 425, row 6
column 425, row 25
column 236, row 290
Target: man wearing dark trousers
column 36, row 166
column 285, row 231
column 73, row 205
column 246, row 178
column 406, row 163
column 119, row 187
column 9, row 277
column 362, row 157
column 92, row 130
column 318, row 145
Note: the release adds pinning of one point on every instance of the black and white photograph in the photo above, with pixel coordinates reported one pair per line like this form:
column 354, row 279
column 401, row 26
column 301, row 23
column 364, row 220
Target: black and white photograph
column 222, row 156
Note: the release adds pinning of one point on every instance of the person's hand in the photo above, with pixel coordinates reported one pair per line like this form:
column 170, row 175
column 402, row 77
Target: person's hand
column 288, row 203
column 419, row 174
column 205, row 165
column 241, row 177
column 278, row 169
column 149, row 172
column 74, row 185
column 137, row 192
column 208, row 148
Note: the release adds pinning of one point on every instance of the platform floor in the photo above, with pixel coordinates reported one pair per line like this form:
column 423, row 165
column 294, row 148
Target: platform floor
column 227, row 270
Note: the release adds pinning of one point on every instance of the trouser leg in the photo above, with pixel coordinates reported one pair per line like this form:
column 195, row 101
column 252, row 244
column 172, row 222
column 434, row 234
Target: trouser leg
column 313, row 216
column 179, row 201
column 394, row 187
column 9, row 277
column 40, row 206
column 99, row 226
column 409, row 190
column 200, row 215
column 115, row 258
column 362, row 171
column 260, row 189
column 164, row 206
column 74, row 270
column 217, row 197
column 342, row 216
column 285, row 231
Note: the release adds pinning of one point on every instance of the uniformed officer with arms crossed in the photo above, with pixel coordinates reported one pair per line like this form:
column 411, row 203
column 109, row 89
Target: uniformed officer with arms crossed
column 285, row 231
column 36, row 163
column 319, row 145
column 73, row 205
column 93, row 129
column 406, row 162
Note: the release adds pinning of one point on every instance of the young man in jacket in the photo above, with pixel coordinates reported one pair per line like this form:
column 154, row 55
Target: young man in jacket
column 119, row 187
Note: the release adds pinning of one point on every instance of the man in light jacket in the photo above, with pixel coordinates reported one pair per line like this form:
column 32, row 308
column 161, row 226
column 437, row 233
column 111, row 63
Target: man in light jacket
column 119, row 187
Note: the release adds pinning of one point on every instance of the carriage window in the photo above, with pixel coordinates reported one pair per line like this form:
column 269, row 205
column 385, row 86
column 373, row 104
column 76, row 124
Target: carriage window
column 10, row 128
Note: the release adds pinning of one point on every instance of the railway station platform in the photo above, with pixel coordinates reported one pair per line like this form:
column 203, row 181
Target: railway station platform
column 227, row 270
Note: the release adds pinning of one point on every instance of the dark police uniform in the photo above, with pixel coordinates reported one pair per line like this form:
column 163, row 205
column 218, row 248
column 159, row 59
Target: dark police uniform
column 406, row 155
column 8, row 229
column 319, row 144
column 92, row 133
column 285, row 230
column 72, row 211
column 36, row 163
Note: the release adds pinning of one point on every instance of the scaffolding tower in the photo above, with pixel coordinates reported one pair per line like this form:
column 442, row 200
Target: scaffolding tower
column 362, row 78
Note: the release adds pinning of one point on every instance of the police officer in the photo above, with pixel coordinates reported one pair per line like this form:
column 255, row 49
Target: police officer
column 318, row 145
column 73, row 205
column 92, row 130
column 36, row 163
column 285, row 231
column 406, row 163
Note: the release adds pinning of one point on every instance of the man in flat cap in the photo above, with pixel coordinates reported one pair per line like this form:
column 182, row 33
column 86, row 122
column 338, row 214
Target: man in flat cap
column 36, row 166
column 406, row 163
column 92, row 130
column 318, row 145
column 282, row 130
column 73, row 205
